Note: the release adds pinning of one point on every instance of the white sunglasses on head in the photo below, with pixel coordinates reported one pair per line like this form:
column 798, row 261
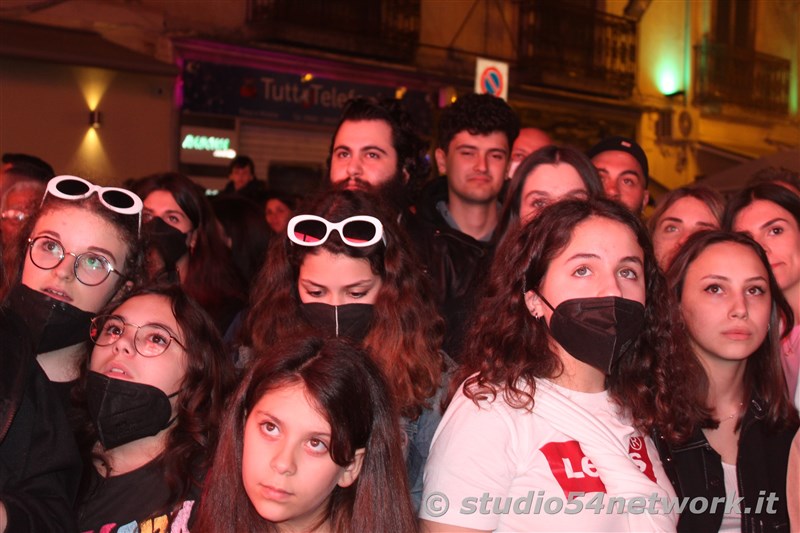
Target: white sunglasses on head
column 116, row 199
column 359, row 231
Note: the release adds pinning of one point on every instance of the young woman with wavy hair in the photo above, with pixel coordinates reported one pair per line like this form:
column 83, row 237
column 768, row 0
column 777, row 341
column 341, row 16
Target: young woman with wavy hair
column 571, row 366
column 185, row 244
column 153, row 387
column 310, row 442
column 367, row 287
column 735, row 314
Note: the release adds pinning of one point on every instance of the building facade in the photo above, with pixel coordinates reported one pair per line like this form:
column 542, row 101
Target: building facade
column 703, row 85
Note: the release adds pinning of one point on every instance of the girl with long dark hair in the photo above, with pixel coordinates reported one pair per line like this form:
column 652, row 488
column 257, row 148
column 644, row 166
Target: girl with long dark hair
column 569, row 370
column 153, row 386
column 310, row 442
column 733, row 310
column 345, row 268
column 185, row 245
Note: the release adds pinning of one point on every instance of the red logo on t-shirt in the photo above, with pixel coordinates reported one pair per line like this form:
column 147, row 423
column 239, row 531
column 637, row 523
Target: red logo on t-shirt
column 576, row 473
column 571, row 468
column 637, row 449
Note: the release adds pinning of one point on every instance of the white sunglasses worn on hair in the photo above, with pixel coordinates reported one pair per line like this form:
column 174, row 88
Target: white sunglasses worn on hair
column 116, row 199
column 359, row 231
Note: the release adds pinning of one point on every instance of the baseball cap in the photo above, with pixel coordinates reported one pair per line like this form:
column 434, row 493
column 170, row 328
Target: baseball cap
column 623, row 144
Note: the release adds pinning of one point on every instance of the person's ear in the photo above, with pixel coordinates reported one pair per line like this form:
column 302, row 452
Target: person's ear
column 441, row 161
column 645, row 199
column 192, row 240
column 351, row 471
column 534, row 304
column 406, row 176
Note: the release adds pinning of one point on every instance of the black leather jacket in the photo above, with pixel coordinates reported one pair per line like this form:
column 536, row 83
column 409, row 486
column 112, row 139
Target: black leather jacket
column 39, row 462
column 695, row 470
column 456, row 263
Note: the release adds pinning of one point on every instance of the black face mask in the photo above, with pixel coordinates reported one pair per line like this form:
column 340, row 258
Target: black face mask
column 124, row 411
column 597, row 331
column 350, row 320
column 168, row 241
column 53, row 324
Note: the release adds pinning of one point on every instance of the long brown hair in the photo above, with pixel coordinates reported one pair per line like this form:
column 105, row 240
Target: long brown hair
column 406, row 333
column 653, row 382
column 351, row 394
column 763, row 377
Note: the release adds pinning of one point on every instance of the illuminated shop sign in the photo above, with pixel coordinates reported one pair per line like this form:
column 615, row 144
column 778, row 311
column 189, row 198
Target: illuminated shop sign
column 207, row 146
column 257, row 93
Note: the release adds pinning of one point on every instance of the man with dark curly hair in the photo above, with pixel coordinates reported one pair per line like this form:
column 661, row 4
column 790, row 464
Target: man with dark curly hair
column 375, row 147
column 457, row 214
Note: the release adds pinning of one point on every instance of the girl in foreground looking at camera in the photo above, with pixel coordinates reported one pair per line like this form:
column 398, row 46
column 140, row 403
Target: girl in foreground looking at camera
column 310, row 442
column 569, row 370
column 154, row 386
column 735, row 314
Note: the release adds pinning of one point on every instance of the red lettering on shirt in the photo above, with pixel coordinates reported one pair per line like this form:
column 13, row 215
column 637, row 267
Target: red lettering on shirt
column 571, row 468
column 637, row 449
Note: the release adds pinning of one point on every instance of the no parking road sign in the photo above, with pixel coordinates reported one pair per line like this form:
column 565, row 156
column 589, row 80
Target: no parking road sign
column 491, row 77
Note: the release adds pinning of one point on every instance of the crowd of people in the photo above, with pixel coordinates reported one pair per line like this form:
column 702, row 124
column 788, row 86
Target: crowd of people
column 507, row 347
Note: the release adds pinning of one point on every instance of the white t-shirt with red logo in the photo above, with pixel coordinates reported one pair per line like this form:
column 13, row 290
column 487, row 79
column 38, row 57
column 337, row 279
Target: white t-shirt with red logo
column 498, row 468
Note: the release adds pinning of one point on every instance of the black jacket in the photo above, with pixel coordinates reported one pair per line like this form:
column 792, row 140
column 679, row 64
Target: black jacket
column 39, row 462
column 695, row 470
column 456, row 263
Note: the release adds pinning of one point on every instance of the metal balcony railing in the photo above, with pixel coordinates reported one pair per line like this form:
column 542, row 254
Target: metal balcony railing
column 385, row 29
column 565, row 46
column 746, row 78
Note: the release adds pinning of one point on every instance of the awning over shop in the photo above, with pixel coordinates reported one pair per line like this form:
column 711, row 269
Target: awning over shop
column 21, row 40
column 736, row 177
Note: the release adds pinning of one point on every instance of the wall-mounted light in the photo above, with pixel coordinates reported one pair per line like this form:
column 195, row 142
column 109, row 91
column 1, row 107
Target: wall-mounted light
column 307, row 77
column 95, row 119
column 400, row 92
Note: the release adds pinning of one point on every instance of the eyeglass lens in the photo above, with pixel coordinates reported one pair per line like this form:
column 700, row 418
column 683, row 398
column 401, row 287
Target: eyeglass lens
column 150, row 340
column 90, row 268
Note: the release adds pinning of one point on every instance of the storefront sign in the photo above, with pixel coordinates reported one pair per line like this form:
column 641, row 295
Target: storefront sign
column 248, row 92
column 207, row 146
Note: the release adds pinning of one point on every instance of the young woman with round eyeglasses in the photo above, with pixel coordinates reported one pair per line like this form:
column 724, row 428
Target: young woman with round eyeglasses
column 82, row 249
column 345, row 269
column 153, row 386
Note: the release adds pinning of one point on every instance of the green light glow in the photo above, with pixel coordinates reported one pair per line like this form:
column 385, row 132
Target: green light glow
column 203, row 142
column 668, row 74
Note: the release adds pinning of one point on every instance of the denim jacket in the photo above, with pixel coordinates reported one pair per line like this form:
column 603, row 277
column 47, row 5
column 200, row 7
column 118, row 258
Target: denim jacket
column 419, row 434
